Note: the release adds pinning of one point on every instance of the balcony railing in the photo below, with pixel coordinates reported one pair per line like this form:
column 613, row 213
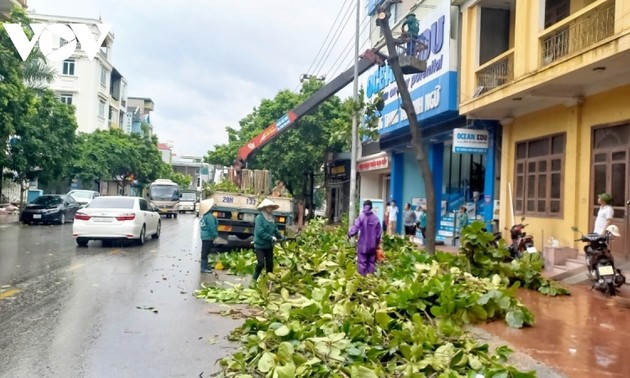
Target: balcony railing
column 496, row 72
column 575, row 35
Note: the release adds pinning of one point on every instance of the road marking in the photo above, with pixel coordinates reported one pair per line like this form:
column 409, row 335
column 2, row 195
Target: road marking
column 9, row 293
column 115, row 251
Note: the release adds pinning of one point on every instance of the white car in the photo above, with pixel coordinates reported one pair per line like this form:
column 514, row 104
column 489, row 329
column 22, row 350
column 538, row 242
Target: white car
column 84, row 197
column 116, row 217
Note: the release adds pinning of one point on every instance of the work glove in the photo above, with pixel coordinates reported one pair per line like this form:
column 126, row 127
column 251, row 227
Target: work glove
column 274, row 239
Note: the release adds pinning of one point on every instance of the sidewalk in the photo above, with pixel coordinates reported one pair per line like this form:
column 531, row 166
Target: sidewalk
column 582, row 335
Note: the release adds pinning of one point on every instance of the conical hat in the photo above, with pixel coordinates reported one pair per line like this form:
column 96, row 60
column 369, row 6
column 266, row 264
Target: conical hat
column 206, row 205
column 268, row 203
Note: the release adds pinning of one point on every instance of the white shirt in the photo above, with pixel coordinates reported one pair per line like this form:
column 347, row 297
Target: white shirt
column 393, row 213
column 604, row 214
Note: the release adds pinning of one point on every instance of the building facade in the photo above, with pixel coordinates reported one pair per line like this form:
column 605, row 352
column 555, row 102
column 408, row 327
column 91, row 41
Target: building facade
column 139, row 114
column 7, row 5
column 95, row 88
column 555, row 74
column 463, row 176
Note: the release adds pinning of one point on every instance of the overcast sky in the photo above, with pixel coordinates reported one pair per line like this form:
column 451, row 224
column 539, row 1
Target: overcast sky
column 207, row 63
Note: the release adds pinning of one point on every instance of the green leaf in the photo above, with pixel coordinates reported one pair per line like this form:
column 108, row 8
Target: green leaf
column 514, row 318
column 282, row 331
column 286, row 371
column 266, row 362
column 362, row 372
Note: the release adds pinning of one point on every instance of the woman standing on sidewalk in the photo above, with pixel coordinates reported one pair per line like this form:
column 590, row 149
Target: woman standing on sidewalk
column 409, row 219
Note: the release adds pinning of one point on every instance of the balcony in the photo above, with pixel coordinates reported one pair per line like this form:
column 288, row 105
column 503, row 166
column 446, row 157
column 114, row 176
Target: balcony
column 496, row 72
column 578, row 32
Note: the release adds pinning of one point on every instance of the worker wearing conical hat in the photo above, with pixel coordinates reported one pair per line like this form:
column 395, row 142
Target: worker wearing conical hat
column 265, row 235
column 209, row 231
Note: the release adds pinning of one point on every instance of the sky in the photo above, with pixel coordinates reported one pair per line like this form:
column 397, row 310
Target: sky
column 206, row 64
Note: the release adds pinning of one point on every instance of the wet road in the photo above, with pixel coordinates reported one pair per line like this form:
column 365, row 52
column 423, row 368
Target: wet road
column 116, row 311
column 582, row 335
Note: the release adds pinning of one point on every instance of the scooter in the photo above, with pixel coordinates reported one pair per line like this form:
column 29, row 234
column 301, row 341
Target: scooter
column 600, row 262
column 521, row 241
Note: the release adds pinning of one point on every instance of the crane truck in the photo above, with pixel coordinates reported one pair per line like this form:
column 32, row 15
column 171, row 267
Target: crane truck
column 234, row 209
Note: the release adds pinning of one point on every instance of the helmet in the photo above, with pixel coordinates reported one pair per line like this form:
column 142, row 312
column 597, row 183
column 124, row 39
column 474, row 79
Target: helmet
column 613, row 229
column 607, row 198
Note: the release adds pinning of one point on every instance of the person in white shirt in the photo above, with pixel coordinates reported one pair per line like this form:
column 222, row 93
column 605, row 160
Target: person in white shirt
column 605, row 213
column 393, row 216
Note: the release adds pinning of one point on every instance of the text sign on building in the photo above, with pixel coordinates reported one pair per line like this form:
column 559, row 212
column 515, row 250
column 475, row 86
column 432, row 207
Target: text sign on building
column 48, row 36
column 470, row 141
column 373, row 164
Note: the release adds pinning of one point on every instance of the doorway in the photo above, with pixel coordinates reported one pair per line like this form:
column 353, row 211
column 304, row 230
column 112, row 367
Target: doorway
column 610, row 173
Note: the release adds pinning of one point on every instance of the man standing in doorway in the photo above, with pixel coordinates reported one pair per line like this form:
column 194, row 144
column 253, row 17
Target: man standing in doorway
column 605, row 213
column 393, row 217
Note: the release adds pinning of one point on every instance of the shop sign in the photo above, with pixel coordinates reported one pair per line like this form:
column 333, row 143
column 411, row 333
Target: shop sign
column 470, row 141
column 373, row 164
column 339, row 171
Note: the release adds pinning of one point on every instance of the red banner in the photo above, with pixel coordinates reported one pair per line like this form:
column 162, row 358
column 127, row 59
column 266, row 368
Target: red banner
column 373, row 164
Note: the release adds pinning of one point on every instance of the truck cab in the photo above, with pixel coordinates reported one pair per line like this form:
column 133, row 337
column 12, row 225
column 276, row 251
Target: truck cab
column 165, row 195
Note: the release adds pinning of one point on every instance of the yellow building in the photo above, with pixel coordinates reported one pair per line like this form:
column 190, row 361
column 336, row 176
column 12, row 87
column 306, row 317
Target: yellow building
column 556, row 73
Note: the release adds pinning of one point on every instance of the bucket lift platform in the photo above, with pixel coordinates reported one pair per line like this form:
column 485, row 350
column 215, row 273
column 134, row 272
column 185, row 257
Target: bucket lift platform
column 411, row 64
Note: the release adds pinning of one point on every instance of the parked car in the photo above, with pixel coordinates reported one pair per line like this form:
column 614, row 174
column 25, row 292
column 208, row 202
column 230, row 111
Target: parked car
column 83, row 197
column 50, row 208
column 116, row 218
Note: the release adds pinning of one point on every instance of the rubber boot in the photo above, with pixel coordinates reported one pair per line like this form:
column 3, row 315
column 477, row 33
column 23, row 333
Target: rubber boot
column 204, row 266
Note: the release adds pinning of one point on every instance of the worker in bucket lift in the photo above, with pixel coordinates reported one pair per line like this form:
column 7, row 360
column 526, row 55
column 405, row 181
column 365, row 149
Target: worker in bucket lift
column 411, row 28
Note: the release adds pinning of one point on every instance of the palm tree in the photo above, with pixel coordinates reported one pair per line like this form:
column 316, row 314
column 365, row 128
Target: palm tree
column 37, row 74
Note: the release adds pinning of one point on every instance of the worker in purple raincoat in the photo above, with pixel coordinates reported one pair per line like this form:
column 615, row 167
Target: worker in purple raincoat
column 369, row 229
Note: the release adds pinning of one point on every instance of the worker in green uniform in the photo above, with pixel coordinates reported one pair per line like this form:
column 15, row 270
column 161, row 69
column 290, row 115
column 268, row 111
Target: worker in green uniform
column 411, row 27
column 265, row 235
column 209, row 232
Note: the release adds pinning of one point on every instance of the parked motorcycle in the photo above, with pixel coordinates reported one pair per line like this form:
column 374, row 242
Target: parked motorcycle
column 521, row 241
column 600, row 262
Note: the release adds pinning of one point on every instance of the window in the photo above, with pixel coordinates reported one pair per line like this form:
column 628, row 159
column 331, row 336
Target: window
column 66, row 98
column 538, row 175
column 68, row 67
column 103, row 76
column 144, row 205
column 101, row 108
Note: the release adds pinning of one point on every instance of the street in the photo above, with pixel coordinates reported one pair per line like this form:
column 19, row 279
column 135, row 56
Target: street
column 115, row 311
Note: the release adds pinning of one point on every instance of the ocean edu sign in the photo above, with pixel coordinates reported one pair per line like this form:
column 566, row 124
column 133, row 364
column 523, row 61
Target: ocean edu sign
column 433, row 91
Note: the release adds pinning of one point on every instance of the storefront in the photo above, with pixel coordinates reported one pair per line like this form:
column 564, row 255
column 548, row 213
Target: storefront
column 462, row 175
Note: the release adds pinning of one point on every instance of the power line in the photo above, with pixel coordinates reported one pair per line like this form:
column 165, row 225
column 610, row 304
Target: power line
column 346, row 53
column 308, row 71
column 337, row 34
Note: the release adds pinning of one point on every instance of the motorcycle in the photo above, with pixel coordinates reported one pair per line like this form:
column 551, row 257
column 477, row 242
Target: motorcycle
column 600, row 262
column 521, row 241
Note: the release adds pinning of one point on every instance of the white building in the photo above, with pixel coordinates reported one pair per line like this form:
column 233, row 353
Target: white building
column 96, row 89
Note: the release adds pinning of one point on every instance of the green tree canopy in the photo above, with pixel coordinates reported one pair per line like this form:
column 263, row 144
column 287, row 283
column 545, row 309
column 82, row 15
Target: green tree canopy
column 115, row 156
column 289, row 156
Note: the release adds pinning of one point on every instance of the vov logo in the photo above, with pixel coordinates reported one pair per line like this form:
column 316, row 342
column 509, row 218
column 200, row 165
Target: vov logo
column 49, row 34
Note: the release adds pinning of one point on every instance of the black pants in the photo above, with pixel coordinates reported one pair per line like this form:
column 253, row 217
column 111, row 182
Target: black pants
column 264, row 259
column 206, row 249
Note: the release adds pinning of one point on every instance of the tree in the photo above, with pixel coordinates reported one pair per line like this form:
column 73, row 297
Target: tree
column 181, row 179
column 13, row 103
column 112, row 155
column 416, row 138
column 43, row 140
column 303, row 149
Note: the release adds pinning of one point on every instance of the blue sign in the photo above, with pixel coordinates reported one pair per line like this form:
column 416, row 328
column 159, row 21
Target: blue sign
column 283, row 122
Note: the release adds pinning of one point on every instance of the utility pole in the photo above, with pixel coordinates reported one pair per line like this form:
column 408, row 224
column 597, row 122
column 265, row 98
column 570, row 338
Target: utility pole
column 414, row 127
column 355, row 121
